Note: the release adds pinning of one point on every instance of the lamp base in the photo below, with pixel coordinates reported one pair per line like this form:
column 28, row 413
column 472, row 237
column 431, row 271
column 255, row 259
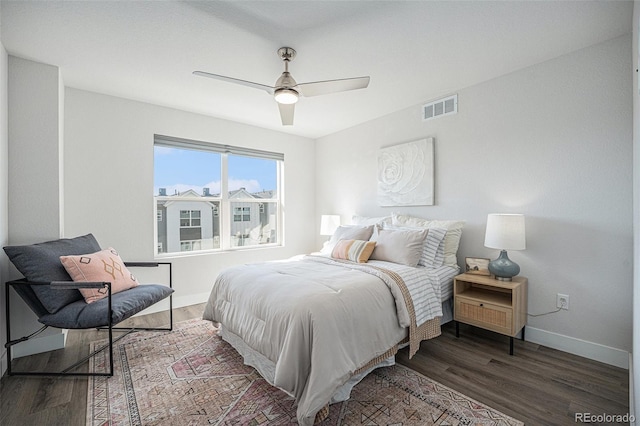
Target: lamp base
column 503, row 268
column 506, row 279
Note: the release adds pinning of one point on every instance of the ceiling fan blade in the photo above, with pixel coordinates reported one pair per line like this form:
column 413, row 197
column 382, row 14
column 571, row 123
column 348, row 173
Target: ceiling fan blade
column 264, row 87
column 331, row 86
column 286, row 113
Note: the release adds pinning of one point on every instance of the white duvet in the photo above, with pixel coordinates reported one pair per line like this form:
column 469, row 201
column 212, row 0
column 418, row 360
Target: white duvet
column 318, row 320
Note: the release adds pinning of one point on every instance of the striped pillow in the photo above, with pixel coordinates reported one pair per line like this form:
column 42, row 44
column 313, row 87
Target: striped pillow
column 354, row 250
column 433, row 251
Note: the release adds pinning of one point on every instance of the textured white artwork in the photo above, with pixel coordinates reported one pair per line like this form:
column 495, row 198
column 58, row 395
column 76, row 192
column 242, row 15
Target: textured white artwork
column 405, row 174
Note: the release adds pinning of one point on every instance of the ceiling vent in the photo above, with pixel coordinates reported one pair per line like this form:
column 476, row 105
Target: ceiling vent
column 444, row 106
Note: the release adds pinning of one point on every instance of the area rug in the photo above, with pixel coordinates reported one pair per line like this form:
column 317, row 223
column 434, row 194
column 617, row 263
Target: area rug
column 190, row 376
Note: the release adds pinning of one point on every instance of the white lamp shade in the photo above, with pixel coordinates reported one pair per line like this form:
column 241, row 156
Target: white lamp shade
column 329, row 223
column 505, row 232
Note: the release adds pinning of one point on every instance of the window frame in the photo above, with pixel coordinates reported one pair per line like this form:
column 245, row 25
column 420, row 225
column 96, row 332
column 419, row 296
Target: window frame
column 224, row 213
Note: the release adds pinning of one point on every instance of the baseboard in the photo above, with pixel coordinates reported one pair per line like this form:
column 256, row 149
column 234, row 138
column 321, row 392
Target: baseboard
column 178, row 302
column 632, row 402
column 595, row 351
column 38, row 345
column 3, row 363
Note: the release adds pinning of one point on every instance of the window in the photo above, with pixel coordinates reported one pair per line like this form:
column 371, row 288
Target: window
column 215, row 197
column 242, row 214
column 189, row 218
column 190, row 245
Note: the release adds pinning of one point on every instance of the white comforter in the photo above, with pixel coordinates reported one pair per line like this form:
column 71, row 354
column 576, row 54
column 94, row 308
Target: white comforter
column 320, row 320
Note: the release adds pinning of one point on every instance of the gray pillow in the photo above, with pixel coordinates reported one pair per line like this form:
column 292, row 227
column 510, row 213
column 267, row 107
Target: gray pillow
column 399, row 246
column 41, row 263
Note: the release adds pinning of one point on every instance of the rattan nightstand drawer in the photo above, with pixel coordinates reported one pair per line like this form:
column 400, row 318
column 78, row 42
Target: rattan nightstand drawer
column 485, row 315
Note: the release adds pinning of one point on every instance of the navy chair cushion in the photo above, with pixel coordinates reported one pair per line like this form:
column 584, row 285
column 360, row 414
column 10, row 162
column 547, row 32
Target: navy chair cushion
column 41, row 263
column 125, row 304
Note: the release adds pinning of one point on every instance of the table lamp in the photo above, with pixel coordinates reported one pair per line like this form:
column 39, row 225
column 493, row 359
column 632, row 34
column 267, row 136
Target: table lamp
column 329, row 223
column 505, row 232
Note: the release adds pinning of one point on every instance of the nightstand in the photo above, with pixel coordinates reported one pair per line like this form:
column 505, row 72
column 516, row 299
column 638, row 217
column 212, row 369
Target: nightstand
column 483, row 301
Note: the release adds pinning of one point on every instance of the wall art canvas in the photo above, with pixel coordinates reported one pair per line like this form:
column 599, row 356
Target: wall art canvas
column 405, row 174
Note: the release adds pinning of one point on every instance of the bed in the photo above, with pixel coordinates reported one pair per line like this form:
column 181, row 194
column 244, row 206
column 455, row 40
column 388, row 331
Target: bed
column 314, row 325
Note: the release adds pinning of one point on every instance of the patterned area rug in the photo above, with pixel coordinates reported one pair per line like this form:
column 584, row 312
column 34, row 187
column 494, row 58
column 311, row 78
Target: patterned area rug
column 192, row 377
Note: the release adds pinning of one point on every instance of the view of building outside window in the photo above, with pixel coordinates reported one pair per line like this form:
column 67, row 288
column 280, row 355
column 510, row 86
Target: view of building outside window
column 192, row 211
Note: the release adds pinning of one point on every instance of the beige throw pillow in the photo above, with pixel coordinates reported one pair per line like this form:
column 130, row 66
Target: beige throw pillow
column 354, row 250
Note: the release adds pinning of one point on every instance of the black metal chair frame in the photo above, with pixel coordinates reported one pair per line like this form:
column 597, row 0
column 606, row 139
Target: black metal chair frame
column 109, row 327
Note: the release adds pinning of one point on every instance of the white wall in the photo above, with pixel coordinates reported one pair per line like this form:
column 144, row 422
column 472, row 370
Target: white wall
column 34, row 171
column 34, row 133
column 553, row 141
column 4, row 203
column 109, row 181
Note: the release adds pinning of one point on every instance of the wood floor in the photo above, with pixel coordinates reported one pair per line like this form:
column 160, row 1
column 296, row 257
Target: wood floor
column 538, row 385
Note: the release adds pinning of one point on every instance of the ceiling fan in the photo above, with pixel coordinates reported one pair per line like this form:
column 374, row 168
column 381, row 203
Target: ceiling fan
column 286, row 91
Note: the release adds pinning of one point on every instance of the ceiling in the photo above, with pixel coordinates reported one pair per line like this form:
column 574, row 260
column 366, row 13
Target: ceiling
column 414, row 51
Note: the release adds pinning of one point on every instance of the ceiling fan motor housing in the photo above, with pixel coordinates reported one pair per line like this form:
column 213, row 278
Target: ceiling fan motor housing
column 286, row 81
column 285, row 92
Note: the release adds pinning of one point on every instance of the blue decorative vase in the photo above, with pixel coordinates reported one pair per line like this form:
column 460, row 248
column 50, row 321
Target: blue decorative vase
column 503, row 268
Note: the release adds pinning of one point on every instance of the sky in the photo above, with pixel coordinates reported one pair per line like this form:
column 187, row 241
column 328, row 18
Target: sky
column 182, row 169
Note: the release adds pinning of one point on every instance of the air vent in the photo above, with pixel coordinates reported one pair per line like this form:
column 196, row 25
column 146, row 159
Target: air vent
column 444, row 106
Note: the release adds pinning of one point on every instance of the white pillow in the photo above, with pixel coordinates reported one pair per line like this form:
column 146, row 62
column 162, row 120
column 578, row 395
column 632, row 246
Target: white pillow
column 399, row 246
column 347, row 232
column 364, row 220
column 451, row 240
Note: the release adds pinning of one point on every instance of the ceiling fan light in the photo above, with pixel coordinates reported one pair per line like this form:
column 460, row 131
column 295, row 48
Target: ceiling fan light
column 286, row 96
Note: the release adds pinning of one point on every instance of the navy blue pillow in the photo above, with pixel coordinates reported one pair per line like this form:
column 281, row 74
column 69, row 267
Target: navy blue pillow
column 41, row 263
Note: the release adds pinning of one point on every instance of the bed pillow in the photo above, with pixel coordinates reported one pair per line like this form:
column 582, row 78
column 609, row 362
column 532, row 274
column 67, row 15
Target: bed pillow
column 365, row 221
column 347, row 232
column 451, row 239
column 433, row 251
column 105, row 265
column 354, row 250
column 432, row 255
column 399, row 246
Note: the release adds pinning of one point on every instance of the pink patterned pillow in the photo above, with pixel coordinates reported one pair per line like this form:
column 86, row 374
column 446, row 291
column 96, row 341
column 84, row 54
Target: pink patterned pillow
column 105, row 265
column 354, row 250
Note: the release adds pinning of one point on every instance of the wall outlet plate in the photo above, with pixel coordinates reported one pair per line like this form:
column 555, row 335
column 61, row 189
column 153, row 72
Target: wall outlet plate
column 562, row 301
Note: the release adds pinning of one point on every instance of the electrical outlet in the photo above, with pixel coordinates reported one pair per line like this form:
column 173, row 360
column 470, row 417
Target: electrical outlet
column 562, row 301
